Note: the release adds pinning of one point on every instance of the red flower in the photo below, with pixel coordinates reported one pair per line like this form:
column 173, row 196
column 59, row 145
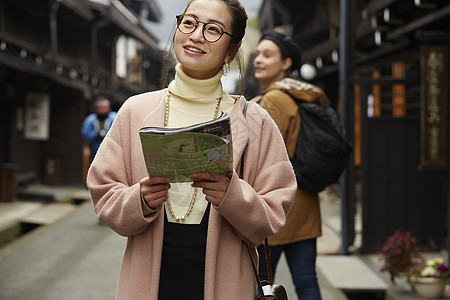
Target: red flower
column 400, row 252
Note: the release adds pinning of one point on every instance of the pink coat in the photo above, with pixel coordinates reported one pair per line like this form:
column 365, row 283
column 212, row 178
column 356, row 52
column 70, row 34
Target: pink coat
column 251, row 210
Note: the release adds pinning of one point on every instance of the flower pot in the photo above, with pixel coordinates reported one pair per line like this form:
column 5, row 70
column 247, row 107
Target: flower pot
column 429, row 287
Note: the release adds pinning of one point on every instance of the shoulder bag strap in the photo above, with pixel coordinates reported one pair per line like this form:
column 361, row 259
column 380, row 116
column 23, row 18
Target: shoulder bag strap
column 266, row 242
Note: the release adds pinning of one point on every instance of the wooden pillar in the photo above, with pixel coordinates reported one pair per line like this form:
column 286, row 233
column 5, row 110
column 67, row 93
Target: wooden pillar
column 376, row 92
column 398, row 90
column 357, row 122
column 346, row 66
column 86, row 161
column 8, row 182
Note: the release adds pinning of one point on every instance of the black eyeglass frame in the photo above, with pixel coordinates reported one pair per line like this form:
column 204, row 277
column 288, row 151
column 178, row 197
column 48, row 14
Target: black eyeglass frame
column 180, row 18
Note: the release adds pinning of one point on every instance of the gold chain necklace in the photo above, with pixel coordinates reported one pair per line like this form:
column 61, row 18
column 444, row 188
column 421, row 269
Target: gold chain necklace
column 166, row 113
column 194, row 194
column 189, row 210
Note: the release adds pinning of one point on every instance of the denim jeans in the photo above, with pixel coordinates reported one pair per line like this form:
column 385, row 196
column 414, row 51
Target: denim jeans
column 301, row 259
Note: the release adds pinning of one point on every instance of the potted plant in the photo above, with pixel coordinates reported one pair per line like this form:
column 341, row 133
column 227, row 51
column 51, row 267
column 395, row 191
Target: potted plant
column 400, row 253
column 429, row 277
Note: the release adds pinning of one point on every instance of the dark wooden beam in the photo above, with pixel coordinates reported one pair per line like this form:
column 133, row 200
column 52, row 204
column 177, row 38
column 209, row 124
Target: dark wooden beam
column 418, row 23
column 363, row 29
column 377, row 5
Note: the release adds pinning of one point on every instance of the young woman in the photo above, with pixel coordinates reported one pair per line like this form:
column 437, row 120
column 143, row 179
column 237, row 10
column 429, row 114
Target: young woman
column 276, row 57
column 189, row 240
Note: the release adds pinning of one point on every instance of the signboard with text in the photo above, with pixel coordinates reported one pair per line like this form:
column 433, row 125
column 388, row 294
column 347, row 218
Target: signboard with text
column 37, row 116
column 433, row 105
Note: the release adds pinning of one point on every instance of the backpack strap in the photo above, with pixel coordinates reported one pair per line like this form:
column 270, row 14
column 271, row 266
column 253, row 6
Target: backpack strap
column 297, row 100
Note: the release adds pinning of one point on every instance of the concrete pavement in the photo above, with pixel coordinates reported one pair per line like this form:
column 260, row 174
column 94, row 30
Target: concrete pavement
column 75, row 257
column 78, row 258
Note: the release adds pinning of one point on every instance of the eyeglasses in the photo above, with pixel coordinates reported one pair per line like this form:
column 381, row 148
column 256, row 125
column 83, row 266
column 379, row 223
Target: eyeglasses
column 211, row 31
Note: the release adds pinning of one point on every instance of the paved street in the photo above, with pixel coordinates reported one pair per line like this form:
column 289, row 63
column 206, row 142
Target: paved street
column 75, row 258
column 78, row 258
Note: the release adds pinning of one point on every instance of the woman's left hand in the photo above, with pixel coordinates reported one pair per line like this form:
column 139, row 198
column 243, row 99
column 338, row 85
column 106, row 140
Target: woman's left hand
column 214, row 186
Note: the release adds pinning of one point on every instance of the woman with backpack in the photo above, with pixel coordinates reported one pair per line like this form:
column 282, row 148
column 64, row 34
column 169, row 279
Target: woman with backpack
column 276, row 57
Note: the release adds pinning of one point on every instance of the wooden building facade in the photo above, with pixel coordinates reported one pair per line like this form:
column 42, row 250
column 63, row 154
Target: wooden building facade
column 56, row 56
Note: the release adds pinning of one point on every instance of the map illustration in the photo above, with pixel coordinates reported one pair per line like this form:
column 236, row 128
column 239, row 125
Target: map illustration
column 177, row 154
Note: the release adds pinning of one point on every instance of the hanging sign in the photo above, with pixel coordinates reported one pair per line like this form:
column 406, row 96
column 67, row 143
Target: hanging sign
column 37, row 116
column 433, row 105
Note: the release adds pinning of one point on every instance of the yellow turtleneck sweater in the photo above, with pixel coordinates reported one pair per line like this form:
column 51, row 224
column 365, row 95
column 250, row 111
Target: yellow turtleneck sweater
column 193, row 101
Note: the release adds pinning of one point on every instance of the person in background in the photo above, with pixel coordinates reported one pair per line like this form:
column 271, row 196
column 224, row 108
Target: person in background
column 276, row 57
column 189, row 240
column 97, row 124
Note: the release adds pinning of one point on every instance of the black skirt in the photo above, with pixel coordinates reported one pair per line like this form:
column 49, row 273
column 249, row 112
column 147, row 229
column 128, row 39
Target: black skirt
column 182, row 273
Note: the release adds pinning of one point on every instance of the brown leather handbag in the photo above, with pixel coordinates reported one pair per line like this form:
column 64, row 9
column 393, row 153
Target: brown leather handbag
column 270, row 291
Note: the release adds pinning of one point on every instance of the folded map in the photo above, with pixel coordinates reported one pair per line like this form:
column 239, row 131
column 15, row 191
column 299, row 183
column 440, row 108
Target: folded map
column 177, row 153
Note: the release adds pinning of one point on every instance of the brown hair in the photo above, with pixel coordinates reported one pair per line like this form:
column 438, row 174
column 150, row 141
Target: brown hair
column 238, row 25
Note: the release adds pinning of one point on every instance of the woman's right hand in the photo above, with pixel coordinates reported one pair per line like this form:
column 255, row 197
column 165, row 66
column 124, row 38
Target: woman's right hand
column 155, row 190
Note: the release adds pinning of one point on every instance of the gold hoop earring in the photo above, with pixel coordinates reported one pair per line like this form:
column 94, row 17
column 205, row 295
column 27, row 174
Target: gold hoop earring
column 226, row 68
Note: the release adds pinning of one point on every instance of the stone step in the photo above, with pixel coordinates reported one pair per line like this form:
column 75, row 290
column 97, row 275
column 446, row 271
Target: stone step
column 80, row 196
column 37, row 205
column 350, row 274
column 48, row 214
column 10, row 212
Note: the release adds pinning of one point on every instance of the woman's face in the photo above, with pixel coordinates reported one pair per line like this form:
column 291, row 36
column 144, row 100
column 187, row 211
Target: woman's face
column 199, row 58
column 268, row 63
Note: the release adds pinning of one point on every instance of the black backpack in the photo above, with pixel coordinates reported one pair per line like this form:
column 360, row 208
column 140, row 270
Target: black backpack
column 322, row 150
